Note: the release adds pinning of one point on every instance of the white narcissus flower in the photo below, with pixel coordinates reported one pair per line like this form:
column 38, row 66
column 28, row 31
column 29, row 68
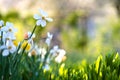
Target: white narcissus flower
column 60, row 56
column 9, row 36
column 49, row 38
column 42, row 52
column 41, row 20
column 9, row 31
column 8, row 48
column 9, row 28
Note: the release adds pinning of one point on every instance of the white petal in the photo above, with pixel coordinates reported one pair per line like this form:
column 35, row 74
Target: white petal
column 58, row 59
column 33, row 36
column 38, row 22
column 43, row 13
column 46, row 67
column 14, row 29
column 49, row 35
column 10, row 35
column 61, row 52
column 55, row 47
column 5, row 53
column 49, row 19
column 36, row 16
column 43, row 23
column 48, row 41
column 4, row 29
column 13, row 49
column 3, row 47
column 9, row 24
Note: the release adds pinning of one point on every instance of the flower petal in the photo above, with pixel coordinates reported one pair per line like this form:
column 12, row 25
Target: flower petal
column 13, row 49
column 5, row 53
column 4, row 29
column 48, row 41
column 43, row 23
column 2, row 47
column 43, row 13
column 36, row 16
column 38, row 22
column 46, row 67
column 9, row 24
column 49, row 19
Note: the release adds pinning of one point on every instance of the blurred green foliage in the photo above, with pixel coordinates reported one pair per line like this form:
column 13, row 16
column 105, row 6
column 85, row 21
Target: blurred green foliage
column 23, row 67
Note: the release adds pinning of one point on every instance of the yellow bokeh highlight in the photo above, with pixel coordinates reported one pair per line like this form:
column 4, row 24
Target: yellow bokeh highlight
column 24, row 45
column 15, row 43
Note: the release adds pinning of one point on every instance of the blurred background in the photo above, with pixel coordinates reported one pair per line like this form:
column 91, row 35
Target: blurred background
column 84, row 28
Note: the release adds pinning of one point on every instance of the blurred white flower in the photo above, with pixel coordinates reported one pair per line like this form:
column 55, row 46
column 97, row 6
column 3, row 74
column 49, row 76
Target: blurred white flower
column 60, row 56
column 8, row 48
column 9, row 28
column 9, row 31
column 41, row 20
column 42, row 52
column 49, row 38
column 46, row 67
column 9, row 36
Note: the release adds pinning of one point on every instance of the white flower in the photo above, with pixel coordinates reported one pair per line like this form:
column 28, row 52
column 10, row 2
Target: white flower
column 5, row 52
column 49, row 38
column 9, row 36
column 9, row 28
column 42, row 52
column 41, row 20
column 60, row 56
column 9, row 31
column 8, row 48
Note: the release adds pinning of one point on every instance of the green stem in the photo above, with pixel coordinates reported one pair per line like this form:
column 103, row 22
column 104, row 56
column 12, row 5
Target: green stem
column 1, row 38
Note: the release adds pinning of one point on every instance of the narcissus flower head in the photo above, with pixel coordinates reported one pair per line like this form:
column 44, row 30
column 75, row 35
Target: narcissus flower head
column 8, row 48
column 41, row 20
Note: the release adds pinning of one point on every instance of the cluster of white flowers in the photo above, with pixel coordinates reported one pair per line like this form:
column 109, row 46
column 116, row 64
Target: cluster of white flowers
column 7, row 36
column 54, row 54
